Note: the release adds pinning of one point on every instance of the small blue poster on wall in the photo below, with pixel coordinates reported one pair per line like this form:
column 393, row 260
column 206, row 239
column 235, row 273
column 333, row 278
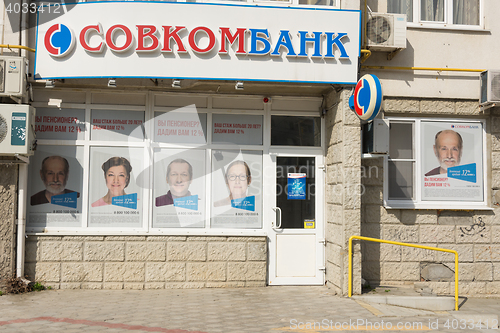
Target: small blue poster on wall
column 296, row 188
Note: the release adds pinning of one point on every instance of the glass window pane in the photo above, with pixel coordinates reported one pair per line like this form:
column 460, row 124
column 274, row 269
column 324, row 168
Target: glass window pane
column 295, row 131
column 317, row 2
column 295, row 213
column 401, row 7
column 237, row 129
column 401, row 140
column 466, row 12
column 432, row 10
column 400, row 180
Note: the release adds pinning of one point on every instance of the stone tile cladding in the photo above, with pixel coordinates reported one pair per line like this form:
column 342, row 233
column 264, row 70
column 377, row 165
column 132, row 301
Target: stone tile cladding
column 479, row 252
column 8, row 199
column 343, row 192
column 146, row 262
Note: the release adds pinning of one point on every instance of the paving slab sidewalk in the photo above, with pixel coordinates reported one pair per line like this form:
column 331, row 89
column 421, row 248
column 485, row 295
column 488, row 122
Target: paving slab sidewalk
column 254, row 310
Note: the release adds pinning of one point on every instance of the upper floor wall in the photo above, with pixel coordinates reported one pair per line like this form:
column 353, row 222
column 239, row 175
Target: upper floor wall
column 439, row 45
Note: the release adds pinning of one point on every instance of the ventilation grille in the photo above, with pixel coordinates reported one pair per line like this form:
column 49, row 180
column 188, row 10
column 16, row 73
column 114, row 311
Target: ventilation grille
column 495, row 86
column 378, row 30
column 4, row 127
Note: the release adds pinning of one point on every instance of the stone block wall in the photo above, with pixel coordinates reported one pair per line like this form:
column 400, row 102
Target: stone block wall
column 343, row 191
column 8, row 199
column 475, row 235
column 146, row 262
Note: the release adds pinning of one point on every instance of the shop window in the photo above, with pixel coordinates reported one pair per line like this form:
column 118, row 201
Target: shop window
column 114, row 168
column 439, row 12
column 295, row 131
column 435, row 164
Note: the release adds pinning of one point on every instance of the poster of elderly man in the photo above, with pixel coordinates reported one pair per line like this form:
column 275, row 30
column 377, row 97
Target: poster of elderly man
column 452, row 155
column 179, row 187
column 56, row 186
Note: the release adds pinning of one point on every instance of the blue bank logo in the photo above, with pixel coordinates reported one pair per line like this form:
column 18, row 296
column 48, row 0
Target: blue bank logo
column 59, row 40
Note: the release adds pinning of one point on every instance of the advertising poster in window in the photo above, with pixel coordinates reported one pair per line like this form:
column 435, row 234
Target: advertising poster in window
column 55, row 187
column 114, row 196
column 183, row 125
column 237, row 129
column 113, row 125
column 236, row 189
column 60, row 124
column 179, row 188
column 452, row 161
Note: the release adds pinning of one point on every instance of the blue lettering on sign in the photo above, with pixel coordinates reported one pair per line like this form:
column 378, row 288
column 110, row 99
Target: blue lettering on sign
column 247, row 203
column 463, row 172
column 127, row 201
column 285, row 41
column 255, row 37
column 296, row 189
column 190, row 202
column 66, row 199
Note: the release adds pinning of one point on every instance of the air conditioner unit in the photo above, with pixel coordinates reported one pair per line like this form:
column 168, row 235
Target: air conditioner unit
column 490, row 87
column 13, row 76
column 386, row 32
column 17, row 129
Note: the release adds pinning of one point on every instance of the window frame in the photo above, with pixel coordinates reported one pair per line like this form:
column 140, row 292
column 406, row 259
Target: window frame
column 149, row 108
column 417, row 21
column 417, row 202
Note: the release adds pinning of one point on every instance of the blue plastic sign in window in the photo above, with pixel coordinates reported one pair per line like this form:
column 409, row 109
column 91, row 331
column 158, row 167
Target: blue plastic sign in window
column 296, row 189
column 127, row 201
column 66, row 199
column 190, row 202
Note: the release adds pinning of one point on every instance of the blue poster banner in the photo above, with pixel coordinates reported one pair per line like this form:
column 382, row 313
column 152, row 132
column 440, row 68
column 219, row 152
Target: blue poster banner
column 465, row 172
column 190, row 202
column 296, row 188
column 247, row 203
column 66, row 199
column 127, row 201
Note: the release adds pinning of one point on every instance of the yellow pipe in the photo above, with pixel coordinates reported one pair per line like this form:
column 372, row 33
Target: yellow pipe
column 17, row 47
column 402, row 244
column 424, row 69
column 365, row 55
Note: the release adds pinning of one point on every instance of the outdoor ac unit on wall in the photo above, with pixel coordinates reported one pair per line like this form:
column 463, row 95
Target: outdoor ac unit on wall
column 17, row 129
column 386, row 32
column 490, row 87
column 13, row 76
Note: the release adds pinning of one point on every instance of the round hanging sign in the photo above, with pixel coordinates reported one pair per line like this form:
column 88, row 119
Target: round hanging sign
column 367, row 97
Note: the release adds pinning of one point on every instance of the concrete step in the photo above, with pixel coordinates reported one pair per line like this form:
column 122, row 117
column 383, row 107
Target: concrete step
column 431, row 303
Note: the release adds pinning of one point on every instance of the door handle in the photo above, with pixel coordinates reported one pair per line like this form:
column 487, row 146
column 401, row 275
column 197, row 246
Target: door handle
column 278, row 221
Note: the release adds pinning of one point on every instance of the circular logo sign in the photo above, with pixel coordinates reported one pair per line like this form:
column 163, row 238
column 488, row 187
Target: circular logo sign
column 59, row 40
column 367, row 97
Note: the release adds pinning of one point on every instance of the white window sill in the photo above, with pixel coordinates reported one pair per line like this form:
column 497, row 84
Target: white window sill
column 442, row 205
column 442, row 26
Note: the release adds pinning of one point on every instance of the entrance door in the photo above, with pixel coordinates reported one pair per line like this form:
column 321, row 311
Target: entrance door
column 295, row 210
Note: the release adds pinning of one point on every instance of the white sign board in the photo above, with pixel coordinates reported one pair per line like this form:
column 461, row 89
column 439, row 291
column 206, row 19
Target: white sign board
column 199, row 41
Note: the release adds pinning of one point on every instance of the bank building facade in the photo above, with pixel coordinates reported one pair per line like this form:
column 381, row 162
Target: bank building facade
column 151, row 145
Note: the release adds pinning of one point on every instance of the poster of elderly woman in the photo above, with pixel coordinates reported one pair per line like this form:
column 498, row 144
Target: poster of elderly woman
column 114, row 196
column 236, row 184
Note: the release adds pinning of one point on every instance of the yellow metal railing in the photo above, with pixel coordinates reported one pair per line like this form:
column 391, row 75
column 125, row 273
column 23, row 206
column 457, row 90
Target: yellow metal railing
column 402, row 244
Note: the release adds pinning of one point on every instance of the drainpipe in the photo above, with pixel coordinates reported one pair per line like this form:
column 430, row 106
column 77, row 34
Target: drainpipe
column 21, row 218
column 23, row 174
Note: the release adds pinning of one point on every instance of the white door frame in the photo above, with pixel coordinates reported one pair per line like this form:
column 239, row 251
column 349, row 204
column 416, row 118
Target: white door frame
column 270, row 216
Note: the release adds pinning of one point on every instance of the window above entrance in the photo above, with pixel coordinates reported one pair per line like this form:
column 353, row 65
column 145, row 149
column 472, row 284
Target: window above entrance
column 439, row 13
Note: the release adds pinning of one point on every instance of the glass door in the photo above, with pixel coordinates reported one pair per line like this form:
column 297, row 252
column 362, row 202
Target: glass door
column 296, row 242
